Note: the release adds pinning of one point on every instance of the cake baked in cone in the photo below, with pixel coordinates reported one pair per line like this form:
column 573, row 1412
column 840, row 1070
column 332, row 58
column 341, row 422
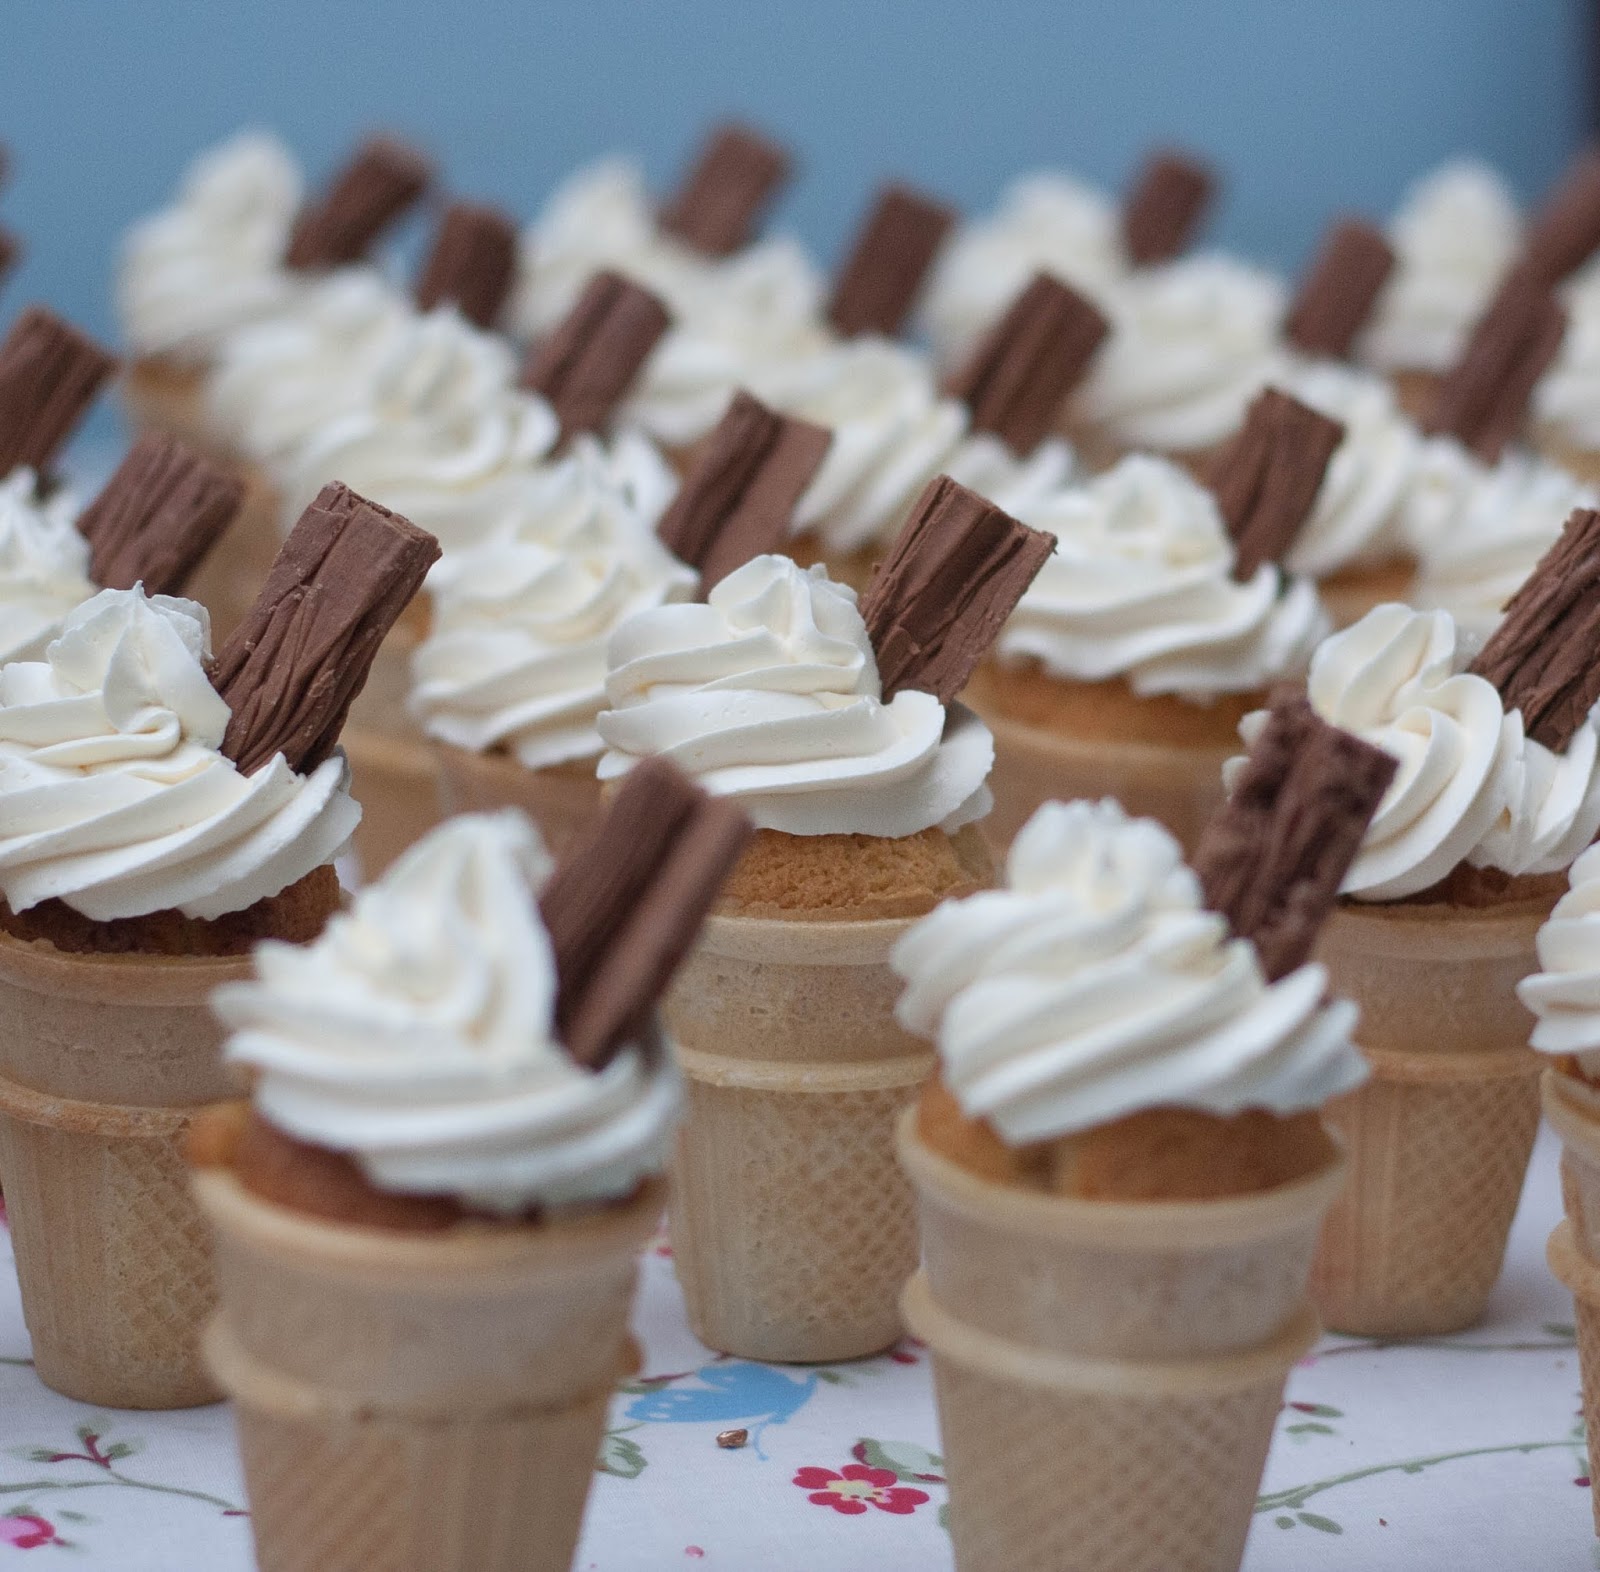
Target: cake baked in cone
column 1121, row 1173
column 832, row 726
column 157, row 823
column 455, row 1155
column 1126, row 666
column 1497, row 792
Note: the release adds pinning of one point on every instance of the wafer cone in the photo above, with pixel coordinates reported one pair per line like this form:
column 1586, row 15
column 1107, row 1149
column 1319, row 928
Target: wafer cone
column 166, row 396
column 103, row 1061
column 1350, row 594
column 419, row 1402
column 1092, row 1357
column 1579, row 461
column 561, row 799
column 793, row 1229
column 232, row 573
column 1572, row 1106
column 1439, row 1139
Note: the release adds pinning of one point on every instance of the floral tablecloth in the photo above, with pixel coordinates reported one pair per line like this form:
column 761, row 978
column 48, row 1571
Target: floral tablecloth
column 1461, row 1454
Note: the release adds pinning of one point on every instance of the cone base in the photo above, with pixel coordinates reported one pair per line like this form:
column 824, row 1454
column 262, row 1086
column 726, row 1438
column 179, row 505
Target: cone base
column 395, row 780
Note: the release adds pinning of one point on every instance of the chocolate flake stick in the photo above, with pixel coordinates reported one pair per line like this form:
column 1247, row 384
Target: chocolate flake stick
column 1565, row 232
column 1267, row 475
column 1545, row 655
column 721, row 200
column 293, row 666
column 1336, row 296
column 956, row 571
column 1164, row 209
column 157, row 516
column 49, row 375
column 626, row 902
column 1274, row 854
column 883, row 274
column 586, row 366
column 472, row 263
column 1019, row 375
column 1483, row 398
column 383, row 178
column 10, row 251
column 739, row 497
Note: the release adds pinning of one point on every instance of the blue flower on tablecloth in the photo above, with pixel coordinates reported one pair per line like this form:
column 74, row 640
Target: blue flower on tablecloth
column 728, row 1390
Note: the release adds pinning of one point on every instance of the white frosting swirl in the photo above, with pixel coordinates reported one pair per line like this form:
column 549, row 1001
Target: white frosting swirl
column 418, row 1035
column 1140, row 586
column 517, row 656
column 1455, row 236
column 1191, row 343
column 769, row 693
column 1565, row 992
column 213, row 260
column 44, row 565
column 113, row 796
column 1357, row 517
column 1045, row 222
column 1093, row 986
column 1470, row 786
column 1566, row 400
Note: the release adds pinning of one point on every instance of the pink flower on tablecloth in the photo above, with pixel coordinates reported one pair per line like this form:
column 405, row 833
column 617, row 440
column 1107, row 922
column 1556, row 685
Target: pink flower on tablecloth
column 26, row 1532
column 855, row 1487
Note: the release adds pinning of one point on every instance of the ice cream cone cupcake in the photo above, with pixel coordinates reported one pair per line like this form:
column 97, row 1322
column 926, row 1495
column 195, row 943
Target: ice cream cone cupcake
column 825, row 722
column 1127, row 664
column 1497, row 792
column 1120, row 1175
column 158, row 823
column 470, row 1201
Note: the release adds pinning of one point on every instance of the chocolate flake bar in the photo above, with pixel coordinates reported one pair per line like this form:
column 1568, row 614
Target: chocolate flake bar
column 472, row 263
column 1337, row 294
column 883, row 274
column 1165, row 207
column 956, row 571
column 736, row 175
column 382, row 180
column 1565, row 232
column 737, row 500
column 49, row 375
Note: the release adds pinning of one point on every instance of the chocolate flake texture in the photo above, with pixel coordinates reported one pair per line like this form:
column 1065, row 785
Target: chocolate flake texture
column 1545, row 655
column 1565, row 232
column 722, row 199
column 956, row 571
column 737, row 500
column 883, row 274
column 1164, row 209
column 1019, row 375
column 1267, row 476
column 383, row 178
column 156, row 518
column 1336, row 296
column 49, row 375
column 586, row 366
column 1273, row 856
column 472, row 263
column 626, row 902
column 297, row 661
column 1483, row 399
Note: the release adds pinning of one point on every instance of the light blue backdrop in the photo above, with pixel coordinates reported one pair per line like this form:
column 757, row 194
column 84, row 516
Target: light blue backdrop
column 1309, row 105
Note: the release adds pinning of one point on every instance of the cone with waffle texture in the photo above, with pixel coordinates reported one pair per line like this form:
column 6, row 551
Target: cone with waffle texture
column 1439, row 1139
column 1148, row 1341
column 104, row 1060
column 419, row 1402
column 561, row 799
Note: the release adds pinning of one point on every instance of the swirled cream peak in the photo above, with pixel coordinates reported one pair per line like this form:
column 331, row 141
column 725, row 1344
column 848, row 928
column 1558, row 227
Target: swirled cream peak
column 44, row 565
column 892, row 433
column 211, row 262
column 1359, row 512
column 113, row 795
column 418, row 1035
column 1191, row 343
column 1470, row 786
column 517, row 656
column 1045, row 222
column 1093, row 986
column 1566, row 401
column 1140, row 587
column 1564, row 994
column 769, row 693
column 1455, row 235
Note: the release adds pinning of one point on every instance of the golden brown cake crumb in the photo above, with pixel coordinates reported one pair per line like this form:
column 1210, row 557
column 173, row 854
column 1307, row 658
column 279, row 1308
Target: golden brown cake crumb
column 1473, row 887
column 1107, row 711
column 855, row 877
column 296, row 915
column 972, row 1143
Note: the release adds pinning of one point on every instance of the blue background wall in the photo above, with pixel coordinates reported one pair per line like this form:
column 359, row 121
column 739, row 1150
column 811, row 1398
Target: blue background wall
column 1309, row 105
